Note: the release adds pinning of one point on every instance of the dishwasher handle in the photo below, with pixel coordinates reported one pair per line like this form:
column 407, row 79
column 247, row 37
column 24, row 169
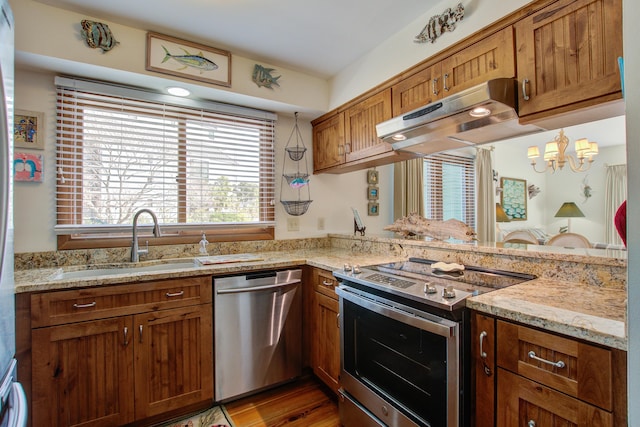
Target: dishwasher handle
column 256, row 288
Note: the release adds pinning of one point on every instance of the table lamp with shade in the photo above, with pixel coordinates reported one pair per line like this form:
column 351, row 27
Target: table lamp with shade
column 569, row 210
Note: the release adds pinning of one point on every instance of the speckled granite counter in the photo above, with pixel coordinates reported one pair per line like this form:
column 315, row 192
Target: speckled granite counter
column 594, row 314
column 582, row 295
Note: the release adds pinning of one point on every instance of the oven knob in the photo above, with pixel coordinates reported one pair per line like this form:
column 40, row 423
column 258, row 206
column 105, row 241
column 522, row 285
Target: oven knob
column 347, row 268
column 385, row 411
column 356, row 269
column 448, row 292
column 429, row 288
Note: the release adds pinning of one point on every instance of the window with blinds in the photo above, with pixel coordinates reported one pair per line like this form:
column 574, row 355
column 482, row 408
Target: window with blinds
column 449, row 188
column 197, row 169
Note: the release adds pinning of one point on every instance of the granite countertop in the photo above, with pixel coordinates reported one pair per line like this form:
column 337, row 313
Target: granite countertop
column 588, row 312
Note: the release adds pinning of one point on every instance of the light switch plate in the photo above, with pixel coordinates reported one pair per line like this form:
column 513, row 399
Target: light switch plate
column 293, row 224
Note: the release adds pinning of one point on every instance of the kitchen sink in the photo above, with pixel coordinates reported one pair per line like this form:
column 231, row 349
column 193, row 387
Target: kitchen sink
column 62, row 274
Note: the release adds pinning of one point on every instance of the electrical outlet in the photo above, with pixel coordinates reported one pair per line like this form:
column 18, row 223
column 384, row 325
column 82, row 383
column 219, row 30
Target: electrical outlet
column 320, row 223
column 293, row 224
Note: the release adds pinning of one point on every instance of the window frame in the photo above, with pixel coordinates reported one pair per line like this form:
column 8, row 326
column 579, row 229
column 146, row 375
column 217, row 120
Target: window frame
column 173, row 234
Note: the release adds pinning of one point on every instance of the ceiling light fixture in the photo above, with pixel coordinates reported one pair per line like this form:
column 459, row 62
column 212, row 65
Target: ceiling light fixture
column 555, row 156
column 178, row 91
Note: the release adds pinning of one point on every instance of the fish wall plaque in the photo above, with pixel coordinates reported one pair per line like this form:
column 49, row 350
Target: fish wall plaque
column 262, row 77
column 439, row 24
column 97, row 35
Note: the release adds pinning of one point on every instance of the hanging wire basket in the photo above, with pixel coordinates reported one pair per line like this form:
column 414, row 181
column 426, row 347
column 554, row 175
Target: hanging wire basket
column 296, row 153
column 297, row 179
column 296, row 207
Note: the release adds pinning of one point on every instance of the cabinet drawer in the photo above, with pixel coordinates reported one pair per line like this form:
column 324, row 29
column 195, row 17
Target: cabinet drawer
column 522, row 402
column 325, row 283
column 586, row 372
column 56, row 308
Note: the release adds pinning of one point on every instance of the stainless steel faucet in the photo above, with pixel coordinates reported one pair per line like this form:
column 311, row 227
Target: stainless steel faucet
column 135, row 249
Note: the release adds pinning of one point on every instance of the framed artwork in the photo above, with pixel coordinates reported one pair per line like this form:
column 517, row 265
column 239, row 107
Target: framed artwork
column 372, row 193
column 372, row 177
column 514, row 198
column 373, row 209
column 27, row 167
column 28, row 129
column 182, row 58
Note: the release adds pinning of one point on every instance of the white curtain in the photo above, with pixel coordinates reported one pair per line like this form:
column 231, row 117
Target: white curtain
column 615, row 194
column 485, row 204
column 408, row 188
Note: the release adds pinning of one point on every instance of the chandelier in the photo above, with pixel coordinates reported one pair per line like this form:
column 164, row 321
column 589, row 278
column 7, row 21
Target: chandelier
column 555, row 156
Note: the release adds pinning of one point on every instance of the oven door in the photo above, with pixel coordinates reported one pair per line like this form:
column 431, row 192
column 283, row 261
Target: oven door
column 399, row 363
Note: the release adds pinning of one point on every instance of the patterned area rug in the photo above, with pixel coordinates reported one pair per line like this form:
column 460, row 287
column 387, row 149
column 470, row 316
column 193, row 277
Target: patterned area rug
column 214, row 417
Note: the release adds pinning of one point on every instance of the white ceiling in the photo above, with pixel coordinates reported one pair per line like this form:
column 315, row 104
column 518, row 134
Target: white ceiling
column 315, row 37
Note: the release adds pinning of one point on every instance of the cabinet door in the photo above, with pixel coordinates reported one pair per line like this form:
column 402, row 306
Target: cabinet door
column 567, row 53
column 83, row 374
column 522, row 402
column 417, row 90
column 326, row 340
column 173, row 359
column 360, row 126
column 328, row 143
column 483, row 341
column 487, row 59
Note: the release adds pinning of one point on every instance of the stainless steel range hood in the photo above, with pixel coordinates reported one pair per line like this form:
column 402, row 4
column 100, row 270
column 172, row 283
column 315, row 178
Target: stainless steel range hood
column 478, row 115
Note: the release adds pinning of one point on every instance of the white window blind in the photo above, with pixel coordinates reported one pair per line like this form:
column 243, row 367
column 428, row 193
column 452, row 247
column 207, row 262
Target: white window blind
column 449, row 188
column 192, row 166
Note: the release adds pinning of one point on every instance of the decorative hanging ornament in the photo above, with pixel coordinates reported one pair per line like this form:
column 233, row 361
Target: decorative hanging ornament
column 298, row 179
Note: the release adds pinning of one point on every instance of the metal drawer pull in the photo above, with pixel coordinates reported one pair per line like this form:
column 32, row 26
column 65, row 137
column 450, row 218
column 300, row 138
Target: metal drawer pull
column 91, row 304
column 483, row 335
column 531, row 423
column 329, row 284
column 140, row 330
column 176, row 294
column 524, row 89
column 445, row 87
column 558, row 364
column 434, row 82
column 126, row 336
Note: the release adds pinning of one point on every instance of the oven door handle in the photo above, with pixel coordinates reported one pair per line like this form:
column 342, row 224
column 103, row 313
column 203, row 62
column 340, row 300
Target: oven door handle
column 438, row 326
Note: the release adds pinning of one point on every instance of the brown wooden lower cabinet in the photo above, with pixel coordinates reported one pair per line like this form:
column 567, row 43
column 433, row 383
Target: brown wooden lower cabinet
column 121, row 369
column 325, row 336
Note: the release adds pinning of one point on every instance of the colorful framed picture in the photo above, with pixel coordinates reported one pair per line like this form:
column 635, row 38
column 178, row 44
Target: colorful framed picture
column 372, row 177
column 182, row 58
column 27, row 167
column 372, row 193
column 373, row 209
column 28, row 129
column 514, row 198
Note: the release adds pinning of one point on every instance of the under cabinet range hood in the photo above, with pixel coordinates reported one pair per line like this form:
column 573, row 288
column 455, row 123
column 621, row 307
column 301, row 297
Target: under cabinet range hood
column 478, row 115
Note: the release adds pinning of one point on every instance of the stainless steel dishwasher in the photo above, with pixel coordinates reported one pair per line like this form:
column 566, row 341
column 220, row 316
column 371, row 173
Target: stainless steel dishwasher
column 258, row 331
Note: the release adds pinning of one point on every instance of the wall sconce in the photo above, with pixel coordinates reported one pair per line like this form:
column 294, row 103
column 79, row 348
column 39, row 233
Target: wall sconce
column 555, row 154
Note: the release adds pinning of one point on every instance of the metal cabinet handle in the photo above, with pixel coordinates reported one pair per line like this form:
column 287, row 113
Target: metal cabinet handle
column 176, row 294
column 483, row 335
column 327, row 284
column 434, row 88
column 338, row 320
column 525, row 82
column 347, row 148
column 558, row 364
column 91, row 304
column 444, row 85
column 126, row 336
column 140, row 331
column 531, row 423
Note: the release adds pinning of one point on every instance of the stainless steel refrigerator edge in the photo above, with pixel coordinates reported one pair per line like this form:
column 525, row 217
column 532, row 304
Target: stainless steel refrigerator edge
column 258, row 331
column 13, row 410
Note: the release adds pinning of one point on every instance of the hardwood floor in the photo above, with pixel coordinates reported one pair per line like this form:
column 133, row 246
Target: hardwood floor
column 303, row 403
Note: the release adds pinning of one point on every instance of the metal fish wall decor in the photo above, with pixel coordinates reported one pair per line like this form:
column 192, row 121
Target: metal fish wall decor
column 97, row 35
column 439, row 24
column 262, row 77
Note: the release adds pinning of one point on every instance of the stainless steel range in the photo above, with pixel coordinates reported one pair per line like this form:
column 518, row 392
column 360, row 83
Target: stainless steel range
column 404, row 331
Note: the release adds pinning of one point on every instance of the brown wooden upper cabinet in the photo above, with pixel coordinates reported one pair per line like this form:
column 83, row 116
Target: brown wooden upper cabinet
column 567, row 55
column 490, row 58
column 328, row 142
